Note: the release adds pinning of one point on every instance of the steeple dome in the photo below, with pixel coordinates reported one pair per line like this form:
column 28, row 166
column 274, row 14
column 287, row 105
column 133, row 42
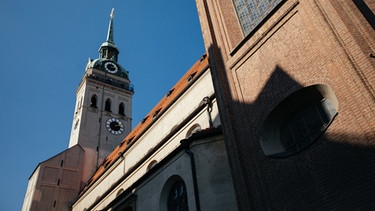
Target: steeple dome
column 109, row 50
column 108, row 55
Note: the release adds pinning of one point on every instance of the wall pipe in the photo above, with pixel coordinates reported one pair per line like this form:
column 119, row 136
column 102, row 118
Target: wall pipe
column 186, row 145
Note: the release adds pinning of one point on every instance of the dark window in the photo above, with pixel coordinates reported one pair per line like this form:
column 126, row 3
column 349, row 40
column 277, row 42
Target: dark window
column 177, row 197
column 156, row 113
column 107, row 105
column 121, row 109
column 191, row 76
column 94, row 99
column 104, row 53
column 170, row 92
column 298, row 121
column 252, row 12
column 306, row 125
column 144, row 120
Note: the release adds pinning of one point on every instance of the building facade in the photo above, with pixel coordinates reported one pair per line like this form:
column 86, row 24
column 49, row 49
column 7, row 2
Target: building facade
column 174, row 159
column 294, row 82
column 56, row 181
column 279, row 114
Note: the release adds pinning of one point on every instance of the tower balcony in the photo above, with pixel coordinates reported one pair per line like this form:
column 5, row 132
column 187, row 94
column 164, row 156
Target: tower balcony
column 111, row 81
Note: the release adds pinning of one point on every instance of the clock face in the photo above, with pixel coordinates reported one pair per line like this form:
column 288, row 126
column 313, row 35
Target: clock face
column 110, row 67
column 114, row 126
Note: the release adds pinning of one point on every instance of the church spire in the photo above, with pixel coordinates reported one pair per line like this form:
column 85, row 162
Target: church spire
column 109, row 50
column 110, row 37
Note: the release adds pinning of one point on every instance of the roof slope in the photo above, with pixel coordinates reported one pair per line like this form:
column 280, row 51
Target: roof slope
column 178, row 89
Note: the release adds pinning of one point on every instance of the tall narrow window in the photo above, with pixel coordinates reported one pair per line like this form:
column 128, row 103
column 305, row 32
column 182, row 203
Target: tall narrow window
column 94, row 99
column 252, row 12
column 77, row 107
column 107, row 105
column 104, row 53
column 177, row 197
column 80, row 103
column 121, row 109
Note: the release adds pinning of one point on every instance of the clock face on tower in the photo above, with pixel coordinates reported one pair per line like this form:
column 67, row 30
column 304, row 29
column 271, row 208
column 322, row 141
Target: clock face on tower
column 110, row 67
column 114, row 126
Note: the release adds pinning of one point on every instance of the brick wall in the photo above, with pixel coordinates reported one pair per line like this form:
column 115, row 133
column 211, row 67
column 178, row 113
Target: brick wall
column 301, row 44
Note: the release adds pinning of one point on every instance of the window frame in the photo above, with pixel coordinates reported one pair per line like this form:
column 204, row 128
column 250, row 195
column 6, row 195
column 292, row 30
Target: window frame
column 291, row 107
column 108, row 105
column 163, row 203
column 121, row 109
column 94, row 101
column 243, row 13
column 182, row 199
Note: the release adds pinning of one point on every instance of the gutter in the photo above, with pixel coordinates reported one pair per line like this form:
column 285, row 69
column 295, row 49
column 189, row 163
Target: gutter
column 185, row 143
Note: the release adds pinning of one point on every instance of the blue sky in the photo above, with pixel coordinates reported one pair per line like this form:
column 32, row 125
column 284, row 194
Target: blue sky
column 45, row 46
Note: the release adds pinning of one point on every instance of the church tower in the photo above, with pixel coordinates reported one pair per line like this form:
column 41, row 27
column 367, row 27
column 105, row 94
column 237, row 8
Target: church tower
column 102, row 119
column 103, row 112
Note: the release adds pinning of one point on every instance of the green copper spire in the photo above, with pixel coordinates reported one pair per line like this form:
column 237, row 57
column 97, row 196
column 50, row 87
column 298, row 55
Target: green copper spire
column 110, row 37
column 109, row 50
column 108, row 55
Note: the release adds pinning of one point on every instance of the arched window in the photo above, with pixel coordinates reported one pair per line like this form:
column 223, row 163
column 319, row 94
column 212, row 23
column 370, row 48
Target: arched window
column 152, row 164
column 298, row 121
column 193, row 129
column 94, row 99
column 119, row 192
column 173, row 195
column 107, row 105
column 121, row 109
column 177, row 197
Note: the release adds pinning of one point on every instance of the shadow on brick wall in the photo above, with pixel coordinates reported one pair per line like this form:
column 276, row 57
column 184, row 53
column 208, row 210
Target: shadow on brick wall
column 336, row 171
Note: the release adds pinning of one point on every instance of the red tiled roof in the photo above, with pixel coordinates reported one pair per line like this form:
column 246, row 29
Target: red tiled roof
column 173, row 94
